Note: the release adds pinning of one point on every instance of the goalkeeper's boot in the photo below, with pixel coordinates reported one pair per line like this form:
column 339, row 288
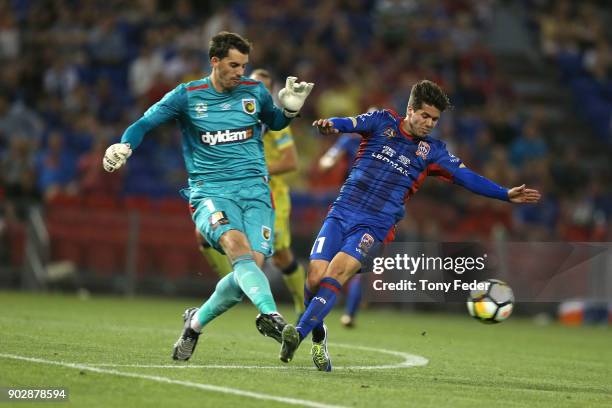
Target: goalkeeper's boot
column 320, row 354
column 290, row 341
column 186, row 343
column 271, row 325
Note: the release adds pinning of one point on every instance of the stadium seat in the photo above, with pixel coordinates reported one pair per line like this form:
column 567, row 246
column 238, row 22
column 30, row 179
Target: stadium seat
column 102, row 202
column 176, row 206
column 138, row 203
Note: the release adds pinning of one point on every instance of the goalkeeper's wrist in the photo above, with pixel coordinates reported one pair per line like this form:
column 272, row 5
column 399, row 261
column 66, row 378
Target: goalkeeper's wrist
column 290, row 114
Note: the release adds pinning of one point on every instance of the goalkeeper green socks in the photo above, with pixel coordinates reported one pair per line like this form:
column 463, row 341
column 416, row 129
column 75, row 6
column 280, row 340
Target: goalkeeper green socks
column 254, row 284
column 216, row 260
column 226, row 294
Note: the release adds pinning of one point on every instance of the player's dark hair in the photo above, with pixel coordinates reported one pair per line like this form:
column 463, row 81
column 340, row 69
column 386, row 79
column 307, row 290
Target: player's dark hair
column 221, row 43
column 428, row 92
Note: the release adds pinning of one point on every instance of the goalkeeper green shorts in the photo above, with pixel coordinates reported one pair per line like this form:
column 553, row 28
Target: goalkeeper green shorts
column 244, row 206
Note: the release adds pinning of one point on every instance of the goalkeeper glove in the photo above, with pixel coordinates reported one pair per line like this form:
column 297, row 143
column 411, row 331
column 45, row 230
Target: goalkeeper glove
column 116, row 155
column 293, row 95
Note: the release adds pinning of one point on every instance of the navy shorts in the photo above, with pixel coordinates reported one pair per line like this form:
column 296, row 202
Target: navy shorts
column 352, row 233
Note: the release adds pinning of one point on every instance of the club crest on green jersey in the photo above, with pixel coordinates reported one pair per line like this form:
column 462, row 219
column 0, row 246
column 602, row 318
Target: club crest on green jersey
column 248, row 105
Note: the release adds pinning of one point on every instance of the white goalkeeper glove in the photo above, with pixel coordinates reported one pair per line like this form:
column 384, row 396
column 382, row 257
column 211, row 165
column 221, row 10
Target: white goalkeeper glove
column 293, row 95
column 116, row 155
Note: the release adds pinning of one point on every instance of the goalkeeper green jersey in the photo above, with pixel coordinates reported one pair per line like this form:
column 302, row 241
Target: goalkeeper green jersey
column 221, row 132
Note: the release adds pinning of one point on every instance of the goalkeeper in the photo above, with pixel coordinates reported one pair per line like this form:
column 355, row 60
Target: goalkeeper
column 281, row 158
column 229, row 194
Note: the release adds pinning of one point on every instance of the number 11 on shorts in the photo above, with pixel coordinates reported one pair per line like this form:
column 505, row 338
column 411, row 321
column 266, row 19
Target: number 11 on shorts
column 317, row 248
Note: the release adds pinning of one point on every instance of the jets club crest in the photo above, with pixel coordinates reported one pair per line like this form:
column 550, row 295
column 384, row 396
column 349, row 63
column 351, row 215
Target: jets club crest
column 423, row 150
column 365, row 244
column 248, row 105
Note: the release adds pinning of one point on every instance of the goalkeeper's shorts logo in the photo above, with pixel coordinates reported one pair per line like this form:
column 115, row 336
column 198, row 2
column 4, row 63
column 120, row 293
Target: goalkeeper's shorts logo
column 217, row 218
column 248, row 105
column 226, row 136
column 266, row 232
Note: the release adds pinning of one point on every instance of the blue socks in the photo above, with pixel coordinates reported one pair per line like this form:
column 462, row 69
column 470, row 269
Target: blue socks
column 320, row 305
column 318, row 334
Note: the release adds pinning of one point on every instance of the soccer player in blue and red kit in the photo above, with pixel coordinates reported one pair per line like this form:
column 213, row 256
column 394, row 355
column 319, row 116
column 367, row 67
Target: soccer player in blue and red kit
column 395, row 157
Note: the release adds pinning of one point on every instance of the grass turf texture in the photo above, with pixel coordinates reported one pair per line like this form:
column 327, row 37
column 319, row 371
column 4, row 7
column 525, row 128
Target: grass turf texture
column 515, row 363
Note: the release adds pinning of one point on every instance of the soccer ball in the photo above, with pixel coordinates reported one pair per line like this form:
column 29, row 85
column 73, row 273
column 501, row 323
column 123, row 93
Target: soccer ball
column 492, row 305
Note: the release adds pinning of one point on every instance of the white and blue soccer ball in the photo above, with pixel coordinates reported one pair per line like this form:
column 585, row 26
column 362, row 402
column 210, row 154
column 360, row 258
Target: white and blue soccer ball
column 491, row 305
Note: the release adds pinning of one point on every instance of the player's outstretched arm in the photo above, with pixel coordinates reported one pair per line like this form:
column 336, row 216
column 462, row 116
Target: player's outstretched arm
column 485, row 187
column 362, row 124
column 169, row 107
column 293, row 96
column 117, row 154
column 523, row 195
column 325, row 126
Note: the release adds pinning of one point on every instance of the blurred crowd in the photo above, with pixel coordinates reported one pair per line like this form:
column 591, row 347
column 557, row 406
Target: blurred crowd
column 75, row 74
column 573, row 35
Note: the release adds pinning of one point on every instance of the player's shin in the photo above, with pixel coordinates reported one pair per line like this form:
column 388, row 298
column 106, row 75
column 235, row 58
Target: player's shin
column 227, row 293
column 320, row 306
column 318, row 332
column 254, row 284
column 294, row 278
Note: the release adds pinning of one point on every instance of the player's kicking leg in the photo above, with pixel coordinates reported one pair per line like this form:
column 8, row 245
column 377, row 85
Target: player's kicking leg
column 318, row 351
column 340, row 270
column 216, row 260
column 246, row 278
column 186, row 343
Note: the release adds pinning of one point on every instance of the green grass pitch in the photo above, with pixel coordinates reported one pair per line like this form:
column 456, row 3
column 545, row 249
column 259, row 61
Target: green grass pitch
column 97, row 349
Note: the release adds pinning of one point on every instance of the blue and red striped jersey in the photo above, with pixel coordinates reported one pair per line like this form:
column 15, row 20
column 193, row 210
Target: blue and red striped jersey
column 390, row 165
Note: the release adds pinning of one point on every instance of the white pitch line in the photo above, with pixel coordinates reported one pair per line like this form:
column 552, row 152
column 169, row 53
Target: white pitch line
column 206, row 387
column 410, row 360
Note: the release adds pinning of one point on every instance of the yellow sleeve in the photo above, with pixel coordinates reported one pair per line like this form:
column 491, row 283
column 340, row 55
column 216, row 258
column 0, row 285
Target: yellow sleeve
column 283, row 138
